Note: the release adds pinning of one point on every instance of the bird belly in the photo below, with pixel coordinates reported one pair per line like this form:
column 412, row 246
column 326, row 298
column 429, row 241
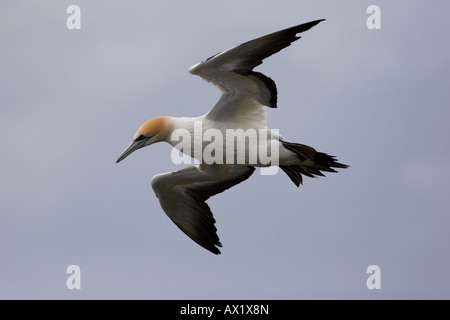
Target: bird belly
column 213, row 144
column 217, row 142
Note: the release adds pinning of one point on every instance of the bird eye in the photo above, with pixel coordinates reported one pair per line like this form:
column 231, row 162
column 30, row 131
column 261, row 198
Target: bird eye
column 141, row 137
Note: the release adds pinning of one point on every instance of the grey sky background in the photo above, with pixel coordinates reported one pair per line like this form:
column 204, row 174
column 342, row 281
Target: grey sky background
column 71, row 101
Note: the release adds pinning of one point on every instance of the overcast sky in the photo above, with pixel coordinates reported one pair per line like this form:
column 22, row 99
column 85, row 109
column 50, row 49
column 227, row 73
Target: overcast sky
column 71, row 101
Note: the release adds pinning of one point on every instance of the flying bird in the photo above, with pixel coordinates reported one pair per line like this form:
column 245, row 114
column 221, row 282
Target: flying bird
column 245, row 94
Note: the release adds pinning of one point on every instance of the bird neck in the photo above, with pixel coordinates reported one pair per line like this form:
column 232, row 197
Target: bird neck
column 181, row 127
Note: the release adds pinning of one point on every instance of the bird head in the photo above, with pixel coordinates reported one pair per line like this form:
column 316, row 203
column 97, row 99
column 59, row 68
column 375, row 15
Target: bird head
column 154, row 130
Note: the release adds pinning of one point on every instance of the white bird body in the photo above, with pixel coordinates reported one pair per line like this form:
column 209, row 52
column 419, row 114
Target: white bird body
column 228, row 141
column 230, row 138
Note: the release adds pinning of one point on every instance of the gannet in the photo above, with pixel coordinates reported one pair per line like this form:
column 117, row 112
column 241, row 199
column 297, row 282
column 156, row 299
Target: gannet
column 245, row 94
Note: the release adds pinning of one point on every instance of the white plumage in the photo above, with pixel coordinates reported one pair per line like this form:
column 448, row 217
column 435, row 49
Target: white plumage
column 241, row 108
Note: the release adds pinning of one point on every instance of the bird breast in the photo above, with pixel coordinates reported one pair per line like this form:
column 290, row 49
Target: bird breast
column 224, row 143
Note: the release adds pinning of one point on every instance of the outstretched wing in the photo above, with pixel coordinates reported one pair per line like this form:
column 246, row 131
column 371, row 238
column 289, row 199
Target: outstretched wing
column 245, row 92
column 182, row 195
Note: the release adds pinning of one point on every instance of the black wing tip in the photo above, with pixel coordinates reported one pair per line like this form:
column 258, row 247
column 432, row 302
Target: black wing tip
column 306, row 26
column 214, row 250
column 212, row 243
column 212, row 247
column 315, row 22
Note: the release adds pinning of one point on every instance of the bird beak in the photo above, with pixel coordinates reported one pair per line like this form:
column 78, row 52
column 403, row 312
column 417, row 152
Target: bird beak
column 131, row 148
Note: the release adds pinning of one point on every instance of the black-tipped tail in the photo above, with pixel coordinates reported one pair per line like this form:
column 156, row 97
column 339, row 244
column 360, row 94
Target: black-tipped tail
column 313, row 163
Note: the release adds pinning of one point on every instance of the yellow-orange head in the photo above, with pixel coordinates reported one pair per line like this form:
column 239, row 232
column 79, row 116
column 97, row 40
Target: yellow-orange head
column 154, row 130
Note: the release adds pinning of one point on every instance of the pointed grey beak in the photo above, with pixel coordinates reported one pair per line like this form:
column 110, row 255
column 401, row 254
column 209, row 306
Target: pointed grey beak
column 136, row 144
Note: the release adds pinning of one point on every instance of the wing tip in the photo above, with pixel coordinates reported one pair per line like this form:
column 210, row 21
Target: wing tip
column 211, row 246
column 306, row 26
column 195, row 69
column 215, row 250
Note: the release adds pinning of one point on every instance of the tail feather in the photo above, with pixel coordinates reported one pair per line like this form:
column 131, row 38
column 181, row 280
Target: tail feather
column 313, row 163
